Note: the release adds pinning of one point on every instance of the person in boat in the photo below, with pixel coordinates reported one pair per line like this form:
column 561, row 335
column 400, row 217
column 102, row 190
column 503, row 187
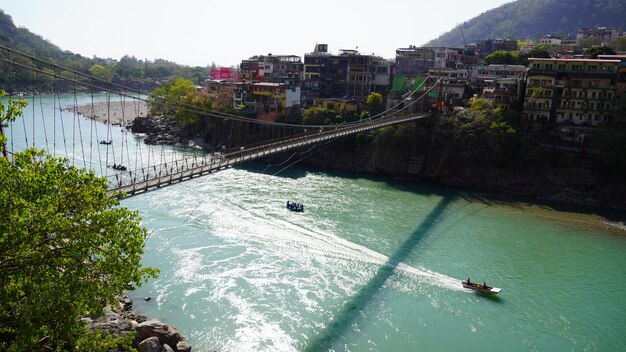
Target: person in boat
column 288, row 204
column 468, row 281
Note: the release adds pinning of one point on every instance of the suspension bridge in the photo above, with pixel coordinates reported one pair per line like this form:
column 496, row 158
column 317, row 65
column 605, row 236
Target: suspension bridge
column 53, row 123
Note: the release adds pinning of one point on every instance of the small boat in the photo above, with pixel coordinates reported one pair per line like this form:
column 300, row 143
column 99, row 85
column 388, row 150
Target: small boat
column 295, row 207
column 119, row 167
column 481, row 288
column 106, row 142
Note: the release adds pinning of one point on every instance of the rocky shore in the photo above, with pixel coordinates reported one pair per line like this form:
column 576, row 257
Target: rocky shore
column 152, row 335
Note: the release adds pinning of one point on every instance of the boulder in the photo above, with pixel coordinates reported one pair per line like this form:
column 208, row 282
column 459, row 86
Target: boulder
column 151, row 344
column 165, row 333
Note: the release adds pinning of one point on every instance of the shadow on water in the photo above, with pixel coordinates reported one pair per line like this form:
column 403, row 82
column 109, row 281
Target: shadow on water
column 492, row 298
column 348, row 314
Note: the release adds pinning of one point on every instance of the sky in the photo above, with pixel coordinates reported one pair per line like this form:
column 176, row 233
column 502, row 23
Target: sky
column 200, row 33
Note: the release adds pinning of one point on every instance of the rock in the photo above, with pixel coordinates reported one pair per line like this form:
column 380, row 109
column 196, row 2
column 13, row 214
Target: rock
column 165, row 333
column 183, row 346
column 167, row 348
column 150, row 344
column 111, row 321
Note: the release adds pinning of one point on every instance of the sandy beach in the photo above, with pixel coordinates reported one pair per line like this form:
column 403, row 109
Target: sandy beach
column 117, row 112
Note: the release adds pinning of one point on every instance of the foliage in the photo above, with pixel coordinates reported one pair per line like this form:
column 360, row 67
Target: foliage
column 201, row 100
column 483, row 135
column 164, row 99
column 8, row 113
column 618, row 43
column 66, row 249
column 374, row 103
column 500, row 57
column 503, row 57
column 102, row 72
column 104, row 341
column 534, row 18
column 599, row 50
column 320, row 116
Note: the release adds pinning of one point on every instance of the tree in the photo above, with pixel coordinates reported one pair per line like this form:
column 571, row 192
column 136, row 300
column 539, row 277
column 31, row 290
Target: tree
column 8, row 113
column 102, row 72
column 500, row 57
column 374, row 103
column 164, row 100
column 66, row 250
column 618, row 44
column 319, row 116
column 599, row 50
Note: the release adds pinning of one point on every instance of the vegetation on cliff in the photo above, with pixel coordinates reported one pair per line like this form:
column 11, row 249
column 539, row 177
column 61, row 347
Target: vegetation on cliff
column 532, row 19
column 66, row 250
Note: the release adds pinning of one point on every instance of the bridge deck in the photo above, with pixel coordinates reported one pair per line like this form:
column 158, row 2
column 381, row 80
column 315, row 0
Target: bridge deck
column 189, row 168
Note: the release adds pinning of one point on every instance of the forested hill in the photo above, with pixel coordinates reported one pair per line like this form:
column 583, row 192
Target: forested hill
column 531, row 19
column 129, row 71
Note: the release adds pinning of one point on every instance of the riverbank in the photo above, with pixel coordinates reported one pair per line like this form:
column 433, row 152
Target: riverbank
column 114, row 112
column 152, row 335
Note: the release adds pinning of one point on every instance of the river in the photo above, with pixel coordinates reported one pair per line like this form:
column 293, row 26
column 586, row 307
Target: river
column 373, row 264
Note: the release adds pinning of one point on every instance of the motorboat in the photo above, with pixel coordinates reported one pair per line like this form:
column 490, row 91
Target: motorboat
column 118, row 167
column 295, row 207
column 481, row 288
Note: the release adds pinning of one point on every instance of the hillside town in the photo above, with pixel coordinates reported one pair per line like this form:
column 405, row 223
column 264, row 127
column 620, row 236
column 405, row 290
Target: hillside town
column 559, row 82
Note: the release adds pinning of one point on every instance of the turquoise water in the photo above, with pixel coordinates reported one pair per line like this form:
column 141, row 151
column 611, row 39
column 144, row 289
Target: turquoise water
column 374, row 265
column 371, row 265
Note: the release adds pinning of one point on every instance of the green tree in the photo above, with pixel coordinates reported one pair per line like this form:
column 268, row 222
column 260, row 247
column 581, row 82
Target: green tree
column 374, row 103
column 8, row 113
column 66, row 249
column 165, row 99
column 500, row 57
column 618, row 44
column 319, row 116
column 102, row 72
column 599, row 50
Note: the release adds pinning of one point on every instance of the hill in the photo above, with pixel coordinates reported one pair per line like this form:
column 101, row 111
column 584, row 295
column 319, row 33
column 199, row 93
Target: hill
column 531, row 19
column 128, row 71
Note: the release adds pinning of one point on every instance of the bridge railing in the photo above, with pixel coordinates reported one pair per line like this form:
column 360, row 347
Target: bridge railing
column 156, row 175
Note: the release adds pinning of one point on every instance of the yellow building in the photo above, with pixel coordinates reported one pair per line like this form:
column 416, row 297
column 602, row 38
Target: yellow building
column 340, row 105
column 579, row 92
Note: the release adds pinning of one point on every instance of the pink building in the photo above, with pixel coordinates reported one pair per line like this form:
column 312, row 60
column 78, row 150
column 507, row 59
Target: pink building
column 222, row 73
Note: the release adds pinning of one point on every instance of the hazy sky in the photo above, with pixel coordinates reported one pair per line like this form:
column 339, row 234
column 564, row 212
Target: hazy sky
column 195, row 32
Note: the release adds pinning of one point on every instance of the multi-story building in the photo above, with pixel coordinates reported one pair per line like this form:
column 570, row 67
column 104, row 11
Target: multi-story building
column 414, row 61
column 486, row 47
column 272, row 68
column 347, row 75
column 283, row 68
column 253, row 69
column 548, row 39
column 620, row 88
column 222, row 73
column 502, row 93
column 578, row 92
column 265, row 100
column 381, row 73
column 603, row 33
column 490, row 73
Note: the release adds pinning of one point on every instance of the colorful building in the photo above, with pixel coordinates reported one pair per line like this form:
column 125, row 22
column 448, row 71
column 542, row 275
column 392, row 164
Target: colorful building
column 265, row 100
column 343, row 106
column 222, row 73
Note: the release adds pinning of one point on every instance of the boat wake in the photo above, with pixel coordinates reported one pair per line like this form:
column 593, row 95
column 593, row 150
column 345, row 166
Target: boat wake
column 322, row 244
